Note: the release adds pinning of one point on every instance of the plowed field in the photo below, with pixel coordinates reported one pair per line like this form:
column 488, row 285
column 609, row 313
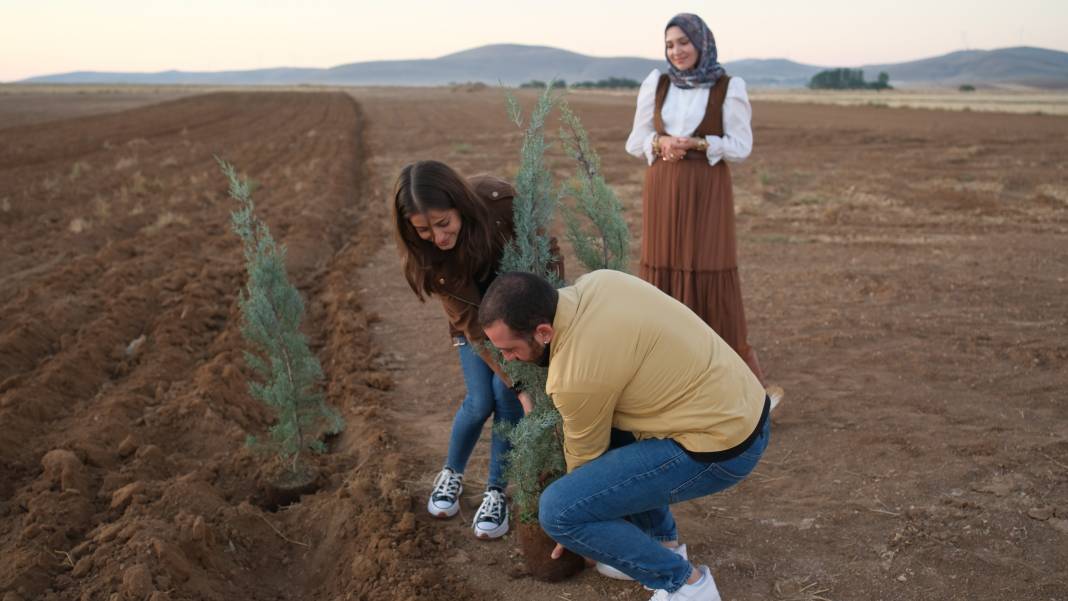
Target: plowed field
column 123, row 405
column 905, row 274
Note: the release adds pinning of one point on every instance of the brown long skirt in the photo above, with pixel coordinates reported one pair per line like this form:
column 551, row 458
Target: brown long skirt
column 689, row 249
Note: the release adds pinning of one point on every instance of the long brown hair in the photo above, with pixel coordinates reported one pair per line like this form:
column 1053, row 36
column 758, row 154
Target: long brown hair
column 431, row 185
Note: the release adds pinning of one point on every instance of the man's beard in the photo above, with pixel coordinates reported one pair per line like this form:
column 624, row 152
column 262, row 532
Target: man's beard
column 541, row 353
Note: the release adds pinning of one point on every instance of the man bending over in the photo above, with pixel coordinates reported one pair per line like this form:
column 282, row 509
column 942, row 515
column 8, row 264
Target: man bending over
column 657, row 409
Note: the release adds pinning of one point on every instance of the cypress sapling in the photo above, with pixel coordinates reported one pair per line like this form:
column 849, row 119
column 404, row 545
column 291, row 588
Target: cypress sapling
column 289, row 376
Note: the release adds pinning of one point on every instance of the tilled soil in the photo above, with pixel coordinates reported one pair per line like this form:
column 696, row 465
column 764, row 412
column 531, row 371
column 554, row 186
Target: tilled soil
column 123, row 469
column 28, row 104
column 904, row 273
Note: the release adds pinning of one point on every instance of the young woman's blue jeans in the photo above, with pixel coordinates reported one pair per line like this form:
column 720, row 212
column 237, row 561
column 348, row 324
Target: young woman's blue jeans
column 614, row 509
column 486, row 394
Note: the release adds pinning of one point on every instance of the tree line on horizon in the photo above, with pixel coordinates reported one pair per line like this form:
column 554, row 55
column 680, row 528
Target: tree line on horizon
column 848, row 79
column 607, row 83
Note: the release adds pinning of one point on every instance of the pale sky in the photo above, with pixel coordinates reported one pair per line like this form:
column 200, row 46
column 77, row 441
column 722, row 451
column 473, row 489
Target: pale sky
column 39, row 37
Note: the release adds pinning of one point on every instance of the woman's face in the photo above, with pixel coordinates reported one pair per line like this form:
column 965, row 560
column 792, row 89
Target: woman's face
column 680, row 50
column 440, row 227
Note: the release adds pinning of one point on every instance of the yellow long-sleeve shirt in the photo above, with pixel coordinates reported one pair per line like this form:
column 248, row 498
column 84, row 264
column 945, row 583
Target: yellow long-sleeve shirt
column 628, row 356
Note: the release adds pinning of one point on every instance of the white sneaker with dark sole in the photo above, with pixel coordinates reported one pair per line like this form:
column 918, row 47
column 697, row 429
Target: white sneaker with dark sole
column 702, row 590
column 445, row 498
column 606, row 570
column 491, row 519
column 776, row 394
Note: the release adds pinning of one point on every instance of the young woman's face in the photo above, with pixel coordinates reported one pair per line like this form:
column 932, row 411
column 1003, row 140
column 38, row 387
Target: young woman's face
column 440, row 227
column 680, row 50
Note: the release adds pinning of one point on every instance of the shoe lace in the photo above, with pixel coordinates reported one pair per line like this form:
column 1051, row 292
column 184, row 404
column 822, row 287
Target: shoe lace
column 660, row 595
column 447, row 485
column 492, row 507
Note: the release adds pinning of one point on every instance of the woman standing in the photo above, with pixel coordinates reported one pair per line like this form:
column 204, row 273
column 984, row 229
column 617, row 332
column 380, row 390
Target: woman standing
column 689, row 123
column 451, row 233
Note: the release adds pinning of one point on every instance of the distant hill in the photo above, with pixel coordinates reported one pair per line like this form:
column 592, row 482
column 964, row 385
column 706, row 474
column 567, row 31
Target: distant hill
column 1023, row 65
column 512, row 64
column 773, row 72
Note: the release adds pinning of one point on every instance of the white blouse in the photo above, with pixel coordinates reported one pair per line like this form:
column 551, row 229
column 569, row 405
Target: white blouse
column 683, row 111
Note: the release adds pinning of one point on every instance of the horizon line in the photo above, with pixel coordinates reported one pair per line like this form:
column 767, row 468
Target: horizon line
column 617, row 56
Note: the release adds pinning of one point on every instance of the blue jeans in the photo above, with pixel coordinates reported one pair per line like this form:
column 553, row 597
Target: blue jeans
column 614, row 509
column 486, row 394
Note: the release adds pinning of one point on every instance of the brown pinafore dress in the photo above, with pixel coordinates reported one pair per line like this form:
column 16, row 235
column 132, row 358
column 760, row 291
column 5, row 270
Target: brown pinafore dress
column 688, row 239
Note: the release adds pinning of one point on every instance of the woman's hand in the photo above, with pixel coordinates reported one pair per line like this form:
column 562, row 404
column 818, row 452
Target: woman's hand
column 666, row 150
column 673, row 148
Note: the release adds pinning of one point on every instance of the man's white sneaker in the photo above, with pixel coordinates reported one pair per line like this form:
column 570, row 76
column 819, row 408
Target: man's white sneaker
column 491, row 519
column 776, row 394
column 606, row 570
column 445, row 498
column 702, row 590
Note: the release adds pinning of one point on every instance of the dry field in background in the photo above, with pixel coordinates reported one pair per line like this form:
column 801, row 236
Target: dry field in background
column 904, row 273
column 994, row 100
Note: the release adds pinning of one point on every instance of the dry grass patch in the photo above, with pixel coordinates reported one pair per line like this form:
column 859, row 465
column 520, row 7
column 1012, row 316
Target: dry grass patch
column 166, row 218
column 801, row 588
column 77, row 169
column 1001, row 101
column 138, row 184
column 51, row 184
column 101, row 207
column 959, row 185
column 79, row 225
column 962, row 154
column 1054, row 191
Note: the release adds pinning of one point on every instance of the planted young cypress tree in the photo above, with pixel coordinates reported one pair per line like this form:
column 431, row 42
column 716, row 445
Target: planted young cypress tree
column 289, row 375
column 537, row 457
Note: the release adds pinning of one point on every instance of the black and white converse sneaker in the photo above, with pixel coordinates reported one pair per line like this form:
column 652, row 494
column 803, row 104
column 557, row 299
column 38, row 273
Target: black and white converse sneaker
column 491, row 519
column 445, row 498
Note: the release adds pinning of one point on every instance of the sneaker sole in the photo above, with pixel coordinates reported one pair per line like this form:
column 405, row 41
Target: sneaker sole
column 776, row 394
column 609, row 572
column 442, row 513
column 497, row 532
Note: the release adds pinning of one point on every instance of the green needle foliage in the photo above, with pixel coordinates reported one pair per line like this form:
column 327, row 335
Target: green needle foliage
column 537, row 456
column 536, row 197
column 272, row 310
column 608, row 247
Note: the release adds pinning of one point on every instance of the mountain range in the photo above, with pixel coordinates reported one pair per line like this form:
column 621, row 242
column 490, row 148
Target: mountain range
column 512, row 64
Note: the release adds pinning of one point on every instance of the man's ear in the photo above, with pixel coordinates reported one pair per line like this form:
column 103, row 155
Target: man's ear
column 544, row 333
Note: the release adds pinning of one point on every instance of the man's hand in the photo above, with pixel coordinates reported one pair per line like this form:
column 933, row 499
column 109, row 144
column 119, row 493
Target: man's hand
column 526, row 401
column 558, row 551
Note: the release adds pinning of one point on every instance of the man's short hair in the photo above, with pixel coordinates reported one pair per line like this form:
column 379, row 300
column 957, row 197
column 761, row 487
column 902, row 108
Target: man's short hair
column 523, row 301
